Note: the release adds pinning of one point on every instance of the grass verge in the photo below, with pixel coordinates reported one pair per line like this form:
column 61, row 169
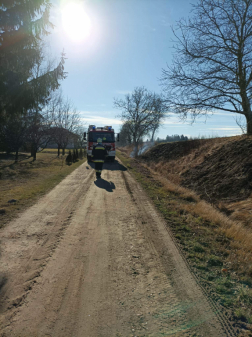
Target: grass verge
column 207, row 240
column 22, row 183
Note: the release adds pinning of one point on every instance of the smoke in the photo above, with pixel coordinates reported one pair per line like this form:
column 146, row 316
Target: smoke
column 146, row 146
column 133, row 153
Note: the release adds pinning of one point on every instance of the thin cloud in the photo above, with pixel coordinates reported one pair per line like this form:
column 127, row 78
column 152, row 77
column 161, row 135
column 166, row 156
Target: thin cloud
column 173, row 122
column 225, row 129
column 221, row 113
column 96, row 113
column 173, row 119
column 100, row 120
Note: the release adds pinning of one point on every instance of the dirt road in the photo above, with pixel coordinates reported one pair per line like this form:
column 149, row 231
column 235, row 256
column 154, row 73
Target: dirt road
column 94, row 259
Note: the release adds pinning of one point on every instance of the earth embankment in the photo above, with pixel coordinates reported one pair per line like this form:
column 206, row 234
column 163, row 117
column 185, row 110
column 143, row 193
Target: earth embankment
column 219, row 170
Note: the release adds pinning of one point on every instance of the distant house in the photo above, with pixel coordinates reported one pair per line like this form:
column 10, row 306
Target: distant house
column 62, row 136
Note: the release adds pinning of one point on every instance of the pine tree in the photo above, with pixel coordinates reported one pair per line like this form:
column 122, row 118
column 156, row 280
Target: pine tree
column 23, row 23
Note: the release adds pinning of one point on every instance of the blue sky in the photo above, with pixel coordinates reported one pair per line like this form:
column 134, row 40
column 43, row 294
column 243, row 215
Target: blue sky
column 126, row 44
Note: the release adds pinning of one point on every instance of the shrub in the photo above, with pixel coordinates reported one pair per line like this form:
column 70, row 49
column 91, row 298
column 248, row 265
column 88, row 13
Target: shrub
column 69, row 158
column 215, row 262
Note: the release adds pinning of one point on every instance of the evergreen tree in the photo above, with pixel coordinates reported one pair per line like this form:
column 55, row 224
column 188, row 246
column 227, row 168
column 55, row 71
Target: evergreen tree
column 13, row 134
column 23, row 23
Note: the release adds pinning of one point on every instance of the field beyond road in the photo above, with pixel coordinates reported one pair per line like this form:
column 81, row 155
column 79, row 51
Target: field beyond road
column 94, row 258
column 22, row 183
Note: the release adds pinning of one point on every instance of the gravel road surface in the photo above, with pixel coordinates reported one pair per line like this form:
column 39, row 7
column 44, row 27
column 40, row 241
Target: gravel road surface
column 93, row 258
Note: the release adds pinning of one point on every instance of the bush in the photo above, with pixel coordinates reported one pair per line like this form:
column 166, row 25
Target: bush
column 215, row 262
column 69, row 158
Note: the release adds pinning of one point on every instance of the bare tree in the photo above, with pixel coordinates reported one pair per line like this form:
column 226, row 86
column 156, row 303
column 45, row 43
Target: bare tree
column 159, row 114
column 65, row 122
column 80, row 135
column 212, row 66
column 38, row 131
column 125, row 135
column 139, row 111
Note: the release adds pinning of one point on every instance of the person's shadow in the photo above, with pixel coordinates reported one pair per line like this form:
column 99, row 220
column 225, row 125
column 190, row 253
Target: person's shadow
column 106, row 185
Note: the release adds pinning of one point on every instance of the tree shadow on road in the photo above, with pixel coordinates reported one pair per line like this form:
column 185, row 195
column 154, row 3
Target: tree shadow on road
column 111, row 166
column 109, row 186
column 3, row 281
column 114, row 166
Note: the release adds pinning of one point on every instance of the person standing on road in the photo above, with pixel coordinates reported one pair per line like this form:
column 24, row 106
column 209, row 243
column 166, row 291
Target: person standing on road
column 99, row 154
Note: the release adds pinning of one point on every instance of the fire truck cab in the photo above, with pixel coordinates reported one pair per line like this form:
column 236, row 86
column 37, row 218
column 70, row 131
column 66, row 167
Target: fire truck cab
column 107, row 134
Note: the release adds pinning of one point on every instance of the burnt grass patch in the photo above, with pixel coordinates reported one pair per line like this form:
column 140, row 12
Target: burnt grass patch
column 211, row 255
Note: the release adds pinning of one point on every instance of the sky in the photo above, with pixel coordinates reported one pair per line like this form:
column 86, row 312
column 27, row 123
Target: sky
column 114, row 46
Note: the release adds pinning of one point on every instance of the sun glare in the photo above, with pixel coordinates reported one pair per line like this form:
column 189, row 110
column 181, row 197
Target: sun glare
column 75, row 21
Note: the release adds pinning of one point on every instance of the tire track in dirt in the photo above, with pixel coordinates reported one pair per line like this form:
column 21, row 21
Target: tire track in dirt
column 29, row 241
column 115, row 272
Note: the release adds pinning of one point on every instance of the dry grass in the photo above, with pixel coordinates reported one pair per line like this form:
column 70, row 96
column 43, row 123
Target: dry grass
column 55, row 151
column 126, row 149
column 173, row 169
column 218, row 248
column 241, row 211
column 238, row 232
column 233, row 219
column 172, row 186
column 26, row 180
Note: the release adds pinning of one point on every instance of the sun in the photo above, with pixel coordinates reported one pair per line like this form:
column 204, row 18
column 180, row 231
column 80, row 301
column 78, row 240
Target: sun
column 76, row 23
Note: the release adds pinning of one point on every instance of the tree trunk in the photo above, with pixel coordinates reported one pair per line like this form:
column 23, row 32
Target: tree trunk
column 16, row 157
column 34, row 152
column 136, row 144
column 63, row 151
column 136, row 149
column 153, row 133
column 247, row 112
column 58, row 151
column 249, row 123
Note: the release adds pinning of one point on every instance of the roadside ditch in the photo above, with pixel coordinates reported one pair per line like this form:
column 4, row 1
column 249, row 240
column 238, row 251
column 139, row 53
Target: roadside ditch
column 219, row 262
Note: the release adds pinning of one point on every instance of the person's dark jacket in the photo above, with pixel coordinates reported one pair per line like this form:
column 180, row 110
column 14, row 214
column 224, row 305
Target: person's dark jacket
column 99, row 153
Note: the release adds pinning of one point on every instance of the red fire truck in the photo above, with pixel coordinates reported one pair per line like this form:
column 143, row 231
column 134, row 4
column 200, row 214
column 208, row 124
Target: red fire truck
column 107, row 134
